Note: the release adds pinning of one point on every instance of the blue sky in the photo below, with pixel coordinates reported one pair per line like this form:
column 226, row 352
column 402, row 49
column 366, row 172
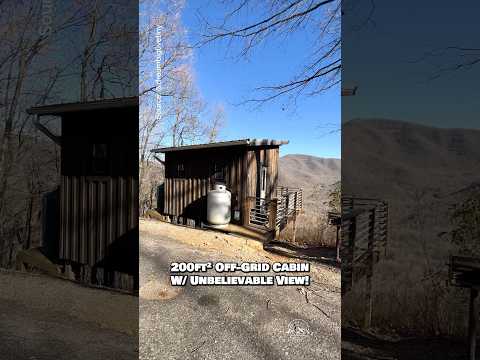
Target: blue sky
column 223, row 78
column 384, row 61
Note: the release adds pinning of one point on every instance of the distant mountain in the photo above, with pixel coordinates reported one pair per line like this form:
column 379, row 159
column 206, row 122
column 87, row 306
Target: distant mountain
column 307, row 171
column 422, row 173
column 315, row 175
column 409, row 155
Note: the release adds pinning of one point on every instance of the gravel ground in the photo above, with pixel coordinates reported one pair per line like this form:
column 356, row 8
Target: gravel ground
column 42, row 317
column 230, row 322
column 33, row 333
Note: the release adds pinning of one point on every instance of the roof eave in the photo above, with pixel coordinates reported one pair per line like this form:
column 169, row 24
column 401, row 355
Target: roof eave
column 59, row 109
column 242, row 142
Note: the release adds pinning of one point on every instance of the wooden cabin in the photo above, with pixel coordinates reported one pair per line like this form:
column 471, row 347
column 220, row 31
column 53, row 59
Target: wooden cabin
column 96, row 233
column 248, row 168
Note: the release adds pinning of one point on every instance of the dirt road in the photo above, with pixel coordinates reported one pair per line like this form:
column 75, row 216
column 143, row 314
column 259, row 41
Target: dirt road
column 230, row 322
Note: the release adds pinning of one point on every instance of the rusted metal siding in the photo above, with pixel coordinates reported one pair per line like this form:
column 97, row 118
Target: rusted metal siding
column 95, row 212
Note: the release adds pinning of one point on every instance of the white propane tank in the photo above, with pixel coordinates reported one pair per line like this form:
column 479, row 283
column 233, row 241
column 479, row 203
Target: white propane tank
column 219, row 205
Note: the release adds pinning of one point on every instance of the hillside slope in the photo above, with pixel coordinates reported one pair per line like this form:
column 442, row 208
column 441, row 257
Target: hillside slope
column 422, row 172
column 305, row 171
column 316, row 176
column 407, row 155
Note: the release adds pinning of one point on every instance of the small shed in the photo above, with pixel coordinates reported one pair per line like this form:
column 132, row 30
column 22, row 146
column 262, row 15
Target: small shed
column 97, row 225
column 248, row 168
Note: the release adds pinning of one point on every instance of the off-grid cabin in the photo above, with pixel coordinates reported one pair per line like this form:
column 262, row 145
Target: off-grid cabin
column 248, row 168
column 92, row 225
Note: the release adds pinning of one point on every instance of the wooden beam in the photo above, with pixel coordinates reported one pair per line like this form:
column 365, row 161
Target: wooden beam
column 368, row 280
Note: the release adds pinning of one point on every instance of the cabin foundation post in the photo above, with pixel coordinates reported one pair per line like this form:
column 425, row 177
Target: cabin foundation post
column 277, row 233
column 273, row 218
column 294, row 227
column 368, row 280
column 337, row 244
column 472, row 322
column 247, row 206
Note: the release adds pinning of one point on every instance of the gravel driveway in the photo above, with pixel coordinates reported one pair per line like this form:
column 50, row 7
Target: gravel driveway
column 229, row 322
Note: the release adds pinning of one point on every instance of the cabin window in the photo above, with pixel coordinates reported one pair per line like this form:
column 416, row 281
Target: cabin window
column 180, row 170
column 99, row 159
column 218, row 172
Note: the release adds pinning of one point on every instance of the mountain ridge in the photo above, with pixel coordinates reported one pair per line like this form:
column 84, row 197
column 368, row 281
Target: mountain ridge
column 307, row 171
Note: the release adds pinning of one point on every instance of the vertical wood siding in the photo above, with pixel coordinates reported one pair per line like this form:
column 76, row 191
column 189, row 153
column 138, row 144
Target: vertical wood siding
column 186, row 196
column 95, row 212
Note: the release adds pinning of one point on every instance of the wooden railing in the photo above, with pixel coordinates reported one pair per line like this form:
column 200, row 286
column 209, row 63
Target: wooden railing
column 294, row 197
column 289, row 203
column 364, row 228
column 273, row 214
column 364, row 236
column 464, row 272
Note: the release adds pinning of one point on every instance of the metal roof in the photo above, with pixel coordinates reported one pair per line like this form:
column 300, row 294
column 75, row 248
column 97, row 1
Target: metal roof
column 59, row 109
column 241, row 142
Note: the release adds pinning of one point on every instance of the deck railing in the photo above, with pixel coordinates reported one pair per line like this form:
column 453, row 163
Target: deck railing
column 273, row 214
column 364, row 225
column 364, row 228
column 260, row 212
column 289, row 203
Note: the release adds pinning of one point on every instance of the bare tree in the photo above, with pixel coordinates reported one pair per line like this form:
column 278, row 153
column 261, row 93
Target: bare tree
column 104, row 60
column 217, row 123
column 22, row 45
column 37, row 62
column 172, row 111
column 281, row 19
column 187, row 107
column 163, row 49
column 450, row 59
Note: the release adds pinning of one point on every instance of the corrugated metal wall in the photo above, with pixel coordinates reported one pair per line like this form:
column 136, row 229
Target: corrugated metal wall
column 95, row 212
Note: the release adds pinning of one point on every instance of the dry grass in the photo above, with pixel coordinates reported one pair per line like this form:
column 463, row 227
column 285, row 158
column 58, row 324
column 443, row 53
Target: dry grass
column 411, row 293
column 312, row 223
column 312, row 230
